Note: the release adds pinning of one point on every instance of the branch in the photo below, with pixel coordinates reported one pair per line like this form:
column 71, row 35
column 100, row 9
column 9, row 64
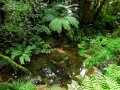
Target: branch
column 14, row 64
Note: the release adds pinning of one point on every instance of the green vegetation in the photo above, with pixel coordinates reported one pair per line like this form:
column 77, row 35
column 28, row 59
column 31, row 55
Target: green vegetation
column 60, row 32
column 17, row 86
column 14, row 64
column 107, row 81
column 24, row 56
column 57, row 24
column 102, row 50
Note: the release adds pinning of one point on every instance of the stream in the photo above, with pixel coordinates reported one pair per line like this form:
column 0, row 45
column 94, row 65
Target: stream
column 58, row 67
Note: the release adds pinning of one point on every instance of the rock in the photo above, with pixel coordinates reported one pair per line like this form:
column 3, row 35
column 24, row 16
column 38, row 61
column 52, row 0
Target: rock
column 37, row 82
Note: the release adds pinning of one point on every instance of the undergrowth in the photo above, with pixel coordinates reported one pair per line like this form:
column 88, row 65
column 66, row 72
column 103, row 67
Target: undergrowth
column 98, row 80
column 101, row 50
column 17, row 86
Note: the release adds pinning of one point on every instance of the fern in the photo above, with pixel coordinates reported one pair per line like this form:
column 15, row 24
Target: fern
column 44, row 29
column 41, row 45
column 72, row 21
column 66, row 25
column 102, row 50
column 48, row 17
column 15, row 53
column 28, row 49
column 65, row 22
column 112, row 84
column 96, row 81
column 56, row 25
column 113, row 71
column 23, row 53
column 24, row 58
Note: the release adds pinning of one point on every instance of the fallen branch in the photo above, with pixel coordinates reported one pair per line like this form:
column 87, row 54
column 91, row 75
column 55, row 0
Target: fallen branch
column 14, row 64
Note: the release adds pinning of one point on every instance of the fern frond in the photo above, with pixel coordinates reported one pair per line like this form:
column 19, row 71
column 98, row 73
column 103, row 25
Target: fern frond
column 72, row 21
column 26, row 57
column 21, row 58
column 112, row 84
column 113, row 71
column 49, row 17
column 29, row 49
column 65, row 22
column 66, row 25
column 56, row 25
column 15, row 53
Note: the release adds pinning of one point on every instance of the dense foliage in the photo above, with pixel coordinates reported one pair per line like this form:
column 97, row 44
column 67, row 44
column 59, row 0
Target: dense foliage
column 31, row 28
column 17, row 86
column 107, row 81
column 102, row 50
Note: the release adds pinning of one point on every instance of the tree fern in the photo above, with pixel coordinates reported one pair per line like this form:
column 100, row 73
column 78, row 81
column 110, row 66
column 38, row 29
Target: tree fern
column 56, row 25
column 65, row 22
column 66, row 25
column 72, row 21
column 49, row 17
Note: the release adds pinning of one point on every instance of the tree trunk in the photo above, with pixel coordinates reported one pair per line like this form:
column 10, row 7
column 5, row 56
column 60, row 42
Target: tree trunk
column 88, row 15
column 84, row 12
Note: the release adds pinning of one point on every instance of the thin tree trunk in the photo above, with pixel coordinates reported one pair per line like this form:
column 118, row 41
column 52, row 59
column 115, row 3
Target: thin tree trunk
column 98, row 10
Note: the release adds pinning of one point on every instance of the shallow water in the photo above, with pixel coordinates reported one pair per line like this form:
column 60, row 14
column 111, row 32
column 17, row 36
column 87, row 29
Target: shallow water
column 58, row 67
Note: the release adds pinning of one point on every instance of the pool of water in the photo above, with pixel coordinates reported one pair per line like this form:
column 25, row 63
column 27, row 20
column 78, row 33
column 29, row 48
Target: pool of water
column 56, row 68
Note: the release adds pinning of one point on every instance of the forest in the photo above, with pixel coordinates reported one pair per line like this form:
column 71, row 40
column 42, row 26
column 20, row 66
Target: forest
column 59, row 44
